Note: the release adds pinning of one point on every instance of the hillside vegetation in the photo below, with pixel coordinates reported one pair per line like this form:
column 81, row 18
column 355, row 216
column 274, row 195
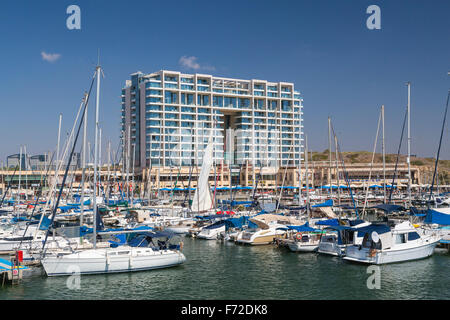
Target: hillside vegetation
column 366, row 157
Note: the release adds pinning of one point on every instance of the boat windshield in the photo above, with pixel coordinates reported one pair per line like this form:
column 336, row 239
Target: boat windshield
column 369, row 243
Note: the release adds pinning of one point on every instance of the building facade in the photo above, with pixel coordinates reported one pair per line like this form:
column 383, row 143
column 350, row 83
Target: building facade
column 168, row 118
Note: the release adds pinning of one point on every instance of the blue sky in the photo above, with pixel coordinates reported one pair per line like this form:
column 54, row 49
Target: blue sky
column 342, row 69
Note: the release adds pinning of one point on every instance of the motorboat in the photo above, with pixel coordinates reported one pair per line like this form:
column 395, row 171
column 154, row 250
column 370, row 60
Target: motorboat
column 303, row 238
column 212, row 231
column 338, row 237
column 268, row 228
column 182, row 227
column 382, row 244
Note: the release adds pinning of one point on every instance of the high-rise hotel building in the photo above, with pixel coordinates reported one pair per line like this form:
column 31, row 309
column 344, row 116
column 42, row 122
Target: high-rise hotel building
column 168, row 117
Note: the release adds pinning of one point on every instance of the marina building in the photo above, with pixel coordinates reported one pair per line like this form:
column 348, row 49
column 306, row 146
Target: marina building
column 168, row 118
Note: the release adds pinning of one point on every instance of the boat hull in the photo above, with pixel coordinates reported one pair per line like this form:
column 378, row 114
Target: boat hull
column 63, row 266
column 389, row 256
column 299, row 247
column 331, row 249
column 210, row 234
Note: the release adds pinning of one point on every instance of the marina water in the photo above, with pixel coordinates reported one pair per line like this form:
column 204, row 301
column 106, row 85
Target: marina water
column 223, row 270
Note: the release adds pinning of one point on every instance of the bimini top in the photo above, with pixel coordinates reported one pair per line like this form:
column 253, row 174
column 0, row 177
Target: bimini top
column 384, row 234
column 388, row 208
column 236, row 222
column 328, row 222
column 302, row 228
column 215, row 225
column 378, row 228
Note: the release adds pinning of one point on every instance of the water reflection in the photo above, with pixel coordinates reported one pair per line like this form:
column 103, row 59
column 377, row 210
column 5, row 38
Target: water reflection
column 223, row 270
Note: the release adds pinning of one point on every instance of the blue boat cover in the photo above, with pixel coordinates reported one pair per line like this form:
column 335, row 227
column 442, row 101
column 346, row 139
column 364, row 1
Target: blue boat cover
column 215, row 225
column 328, row 203
column 329, row 222
column 302, row 228
column 236, row 222
column 388, row 208
column 438, row 217
column 378, row 228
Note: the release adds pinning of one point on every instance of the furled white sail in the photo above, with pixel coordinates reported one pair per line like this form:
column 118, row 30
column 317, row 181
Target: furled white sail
column 202, row 200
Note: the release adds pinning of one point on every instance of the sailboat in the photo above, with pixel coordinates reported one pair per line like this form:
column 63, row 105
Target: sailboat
column 117, row 258
column 202, row 201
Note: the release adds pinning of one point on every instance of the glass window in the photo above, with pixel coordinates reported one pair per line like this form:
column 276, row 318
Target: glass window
column 153, row 85
column 201, row 88
column 244, row 103
column 413, row 236
column 217, row 101
column 203, row 110
column 187, row 109
column 152, row 99
column 190, row 98
column 400, row 238
column 171, row 85
column 230, row 102
column 154, row 92
column 187, row 87
column 170, row 97
column 170, row 78
column 259, row 103
column 154, row 115
column 202, row 81
column 171, row 108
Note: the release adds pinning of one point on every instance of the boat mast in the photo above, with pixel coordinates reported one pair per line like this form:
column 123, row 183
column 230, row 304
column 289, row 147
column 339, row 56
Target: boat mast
column 96, row 156
column 299, row 178
column 100, row 161
column 132, row 175
column 57, row 149
column 83, row 159
column 20, row 174
column 337, row 171
column 128, row 163
column 409, row 143
column 307, row 178
column 26, row 174
column 384, row 154
column 109, row 172
column 329, row 157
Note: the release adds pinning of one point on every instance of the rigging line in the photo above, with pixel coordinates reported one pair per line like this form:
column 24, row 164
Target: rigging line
column 9, row 185
column 371, row 165
column 398, row 155
column 68, row 165
column 439, row 149
column 345, row 170
column 38, row 197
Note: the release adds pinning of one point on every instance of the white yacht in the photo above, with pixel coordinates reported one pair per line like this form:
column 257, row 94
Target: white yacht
column 305, row 242
column 269, row 227
column 382, row 245
column 337, row 238
column 212, row 231
column 181, row 227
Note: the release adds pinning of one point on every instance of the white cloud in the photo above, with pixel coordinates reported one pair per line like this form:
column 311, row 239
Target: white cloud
column 191, row 63
column 50, row 57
